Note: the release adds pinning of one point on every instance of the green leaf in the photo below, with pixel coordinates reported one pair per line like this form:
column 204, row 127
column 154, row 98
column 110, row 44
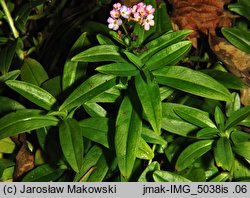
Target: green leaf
column 100, row 133
column 71, row 141
column 23, row 121
column 94, row 109
column 219, row 118
column 7, row 146
column 119, row 69
column 134, row 59
column 128, row 131
column 162, row 42
column 207, row 133
column 151, row 137
column 240, row 136
column 53, row 86
column 9, row 105
column 33, row 72
column 194, row 116
column 104, row 40
column 4, row 164
column 173, row 123
column 144, row 151
column 223, row 154
column 89, row 89
column 195, row 174
column 238, row 37
column 166, row 176
column 237, row 117
column 222, row 177
column 147, row 174
column 149, row 95
column 169, row 56
column 242, row 7
column 193, row 82
column 192, row 152
column 242, row 149
column 234, row 105
column 241, row 170
column 90, row 160
column 12, row 75
column 6, row 57
column 227, row 79
column 166, row 92
column 109, row 96
column 98, row 54
column 43, row 173
column 33, row 93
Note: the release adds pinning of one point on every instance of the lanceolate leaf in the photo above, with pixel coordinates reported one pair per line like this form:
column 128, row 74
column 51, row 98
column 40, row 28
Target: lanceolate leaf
column 237, row 117
column 23, row 121
column 97, row 130
column 163, row 41
column 43, row 173
column 9, row 105
column 119, row 69
column 99, row 53
column 144, row 151
column 169, row 56
column 33, row 72
column 193, row 82
column 147, row 175
column 150, row 98
column 242, row 149
column 192, row 152
column 6, row 57
column 71, row 141
column 12, row 75
column 151, row 137
column 92, row 87
column 166, row 176
column 223, row 154
column 33, row 93
column 127, row 135
column 194, row 116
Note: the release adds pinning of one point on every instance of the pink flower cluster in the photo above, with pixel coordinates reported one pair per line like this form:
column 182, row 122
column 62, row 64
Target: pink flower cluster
column 140, row 13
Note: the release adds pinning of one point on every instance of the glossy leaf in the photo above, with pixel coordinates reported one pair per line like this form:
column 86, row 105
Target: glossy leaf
column 144, row 151
column 227, row 79
column 33, row 93
column 71, row 141
column 12, row 75
column 104, row 40
column 239, row 136
column 90, row 160
column 237, row 117
column 242, row 149
column 169, row 56
column 219, row 118
column 108, row 96
column 43, row 173
column 241, row 7
column 127, row 135
column 147, row 174
column 23, row 121
column 240, row 170
column 166, row 176
column 119, row 69
column 192, row 152
column 9, row 105
column 193, row 82
column 98, row 54
column 173, row 123
column 222, row 177
column 6, row 56
column 162, row 42
column 194, row 116
column 149, row 95
column 151, row 137
column 33, row 72
column 134, row 59
column 207, row 133
column 238, row 37
column 223, row 154
column 97, row 130
column 53, row 86
column 94, row 109
column 89, row 89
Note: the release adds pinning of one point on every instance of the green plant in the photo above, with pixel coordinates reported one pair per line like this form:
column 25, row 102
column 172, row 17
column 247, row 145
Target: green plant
column 123, row 109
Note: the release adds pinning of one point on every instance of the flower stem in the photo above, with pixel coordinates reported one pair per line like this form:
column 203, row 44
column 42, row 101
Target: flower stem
column 9, row 19
column 126, row 32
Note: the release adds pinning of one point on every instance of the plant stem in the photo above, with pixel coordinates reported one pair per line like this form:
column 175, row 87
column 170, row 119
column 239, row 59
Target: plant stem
column 9, row 19
column 126, row 32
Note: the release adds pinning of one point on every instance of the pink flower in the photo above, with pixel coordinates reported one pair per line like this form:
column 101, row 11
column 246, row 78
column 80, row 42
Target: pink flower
column 114, row 23
column 134, row 9
column 114, row 13
column 142, row 11
column 125, row 12
column 137, row 18
column 117, row 6
column 149, row 21
column 150, row 9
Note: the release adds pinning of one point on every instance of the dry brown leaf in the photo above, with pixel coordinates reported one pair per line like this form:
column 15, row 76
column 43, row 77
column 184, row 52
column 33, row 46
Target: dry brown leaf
column 202, row 16
column 237, row 62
